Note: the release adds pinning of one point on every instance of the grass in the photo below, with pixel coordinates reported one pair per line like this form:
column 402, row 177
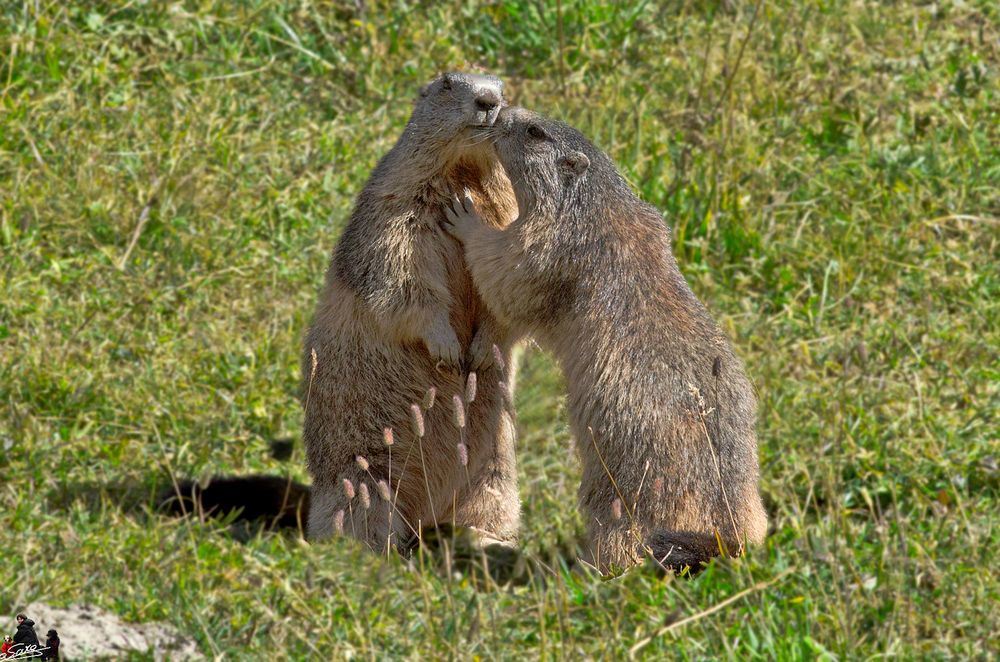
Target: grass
column 173, row 177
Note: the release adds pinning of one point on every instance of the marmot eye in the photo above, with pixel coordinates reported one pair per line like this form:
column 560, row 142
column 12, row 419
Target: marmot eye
column 537, row 132
column 446, row 83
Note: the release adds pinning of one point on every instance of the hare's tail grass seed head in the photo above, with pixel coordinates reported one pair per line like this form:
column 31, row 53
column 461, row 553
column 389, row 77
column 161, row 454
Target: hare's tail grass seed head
column 312, row 377
column 429, row 397
column 470, row 388
column 417, row 420
column 459, row 411
column 383, row 491
column 361, row 462
column 387, row 436
column 498, row 358
column 348, row 489
column 365, row 497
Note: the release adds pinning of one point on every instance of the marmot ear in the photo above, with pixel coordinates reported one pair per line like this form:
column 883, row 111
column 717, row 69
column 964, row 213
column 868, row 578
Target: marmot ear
column 575, row 163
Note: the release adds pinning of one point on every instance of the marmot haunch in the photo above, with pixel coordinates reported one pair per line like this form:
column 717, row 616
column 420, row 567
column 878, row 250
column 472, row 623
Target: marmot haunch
column 399, row 315
column 660, row 407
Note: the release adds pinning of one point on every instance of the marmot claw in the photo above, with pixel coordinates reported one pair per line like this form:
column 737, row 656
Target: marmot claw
column 460, row 216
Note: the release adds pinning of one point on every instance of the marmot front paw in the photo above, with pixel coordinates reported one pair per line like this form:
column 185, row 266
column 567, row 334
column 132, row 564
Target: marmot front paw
column 480, row 354
column 461, row 217
column 443, row 345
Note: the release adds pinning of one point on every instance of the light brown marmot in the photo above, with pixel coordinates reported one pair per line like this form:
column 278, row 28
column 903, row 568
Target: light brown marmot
column 398, row 316
column 660, row 406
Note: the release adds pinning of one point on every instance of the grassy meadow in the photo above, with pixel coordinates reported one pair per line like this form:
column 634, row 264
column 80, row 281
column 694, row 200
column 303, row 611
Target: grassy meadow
column 174, row 175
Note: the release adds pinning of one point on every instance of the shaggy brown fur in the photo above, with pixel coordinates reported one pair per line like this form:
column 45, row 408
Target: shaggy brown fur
column 399, row 315
column 659, row 404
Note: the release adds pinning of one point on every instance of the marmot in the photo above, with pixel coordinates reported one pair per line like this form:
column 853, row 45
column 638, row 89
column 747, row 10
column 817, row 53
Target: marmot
column 660, row 406
column 398, row 316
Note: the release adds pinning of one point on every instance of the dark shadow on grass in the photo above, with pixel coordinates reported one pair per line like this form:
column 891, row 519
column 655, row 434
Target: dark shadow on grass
column 276, row 502
column 248, row 505
column 245, row 503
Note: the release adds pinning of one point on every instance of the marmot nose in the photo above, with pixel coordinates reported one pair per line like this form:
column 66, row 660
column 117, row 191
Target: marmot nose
column 487, row 100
